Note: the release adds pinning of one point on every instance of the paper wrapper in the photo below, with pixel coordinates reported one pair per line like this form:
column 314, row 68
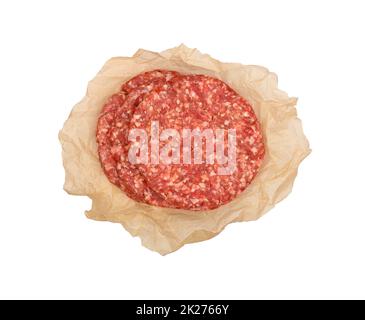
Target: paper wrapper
column 166, row 230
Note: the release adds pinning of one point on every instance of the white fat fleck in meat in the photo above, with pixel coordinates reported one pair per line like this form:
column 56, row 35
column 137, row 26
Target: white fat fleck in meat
column 194, row 201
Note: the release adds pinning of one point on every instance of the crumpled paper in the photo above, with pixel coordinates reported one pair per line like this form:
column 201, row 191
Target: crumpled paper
column 166, row 230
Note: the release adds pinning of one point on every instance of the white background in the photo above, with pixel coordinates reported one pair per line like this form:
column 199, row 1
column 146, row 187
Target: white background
column 311, row 245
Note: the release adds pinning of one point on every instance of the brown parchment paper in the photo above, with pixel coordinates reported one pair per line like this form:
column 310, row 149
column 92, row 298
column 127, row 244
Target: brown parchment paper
column 166, row 230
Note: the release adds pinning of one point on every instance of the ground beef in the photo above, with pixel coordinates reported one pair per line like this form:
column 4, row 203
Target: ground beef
column 179, row 102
